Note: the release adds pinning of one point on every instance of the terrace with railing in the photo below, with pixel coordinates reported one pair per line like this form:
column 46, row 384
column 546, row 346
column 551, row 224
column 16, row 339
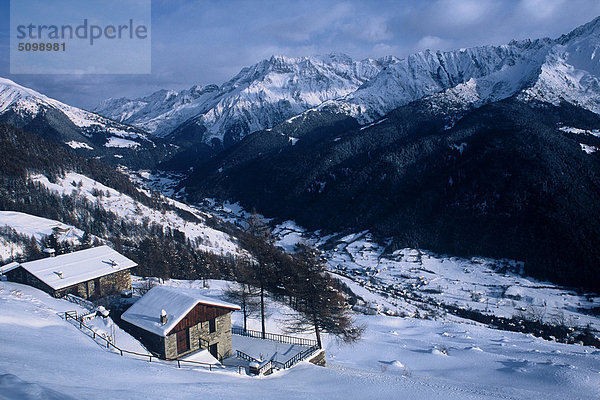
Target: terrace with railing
column 268, row 352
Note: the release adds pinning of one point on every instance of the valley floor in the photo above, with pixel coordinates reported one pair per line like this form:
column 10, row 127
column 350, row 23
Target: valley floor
column 42, row 356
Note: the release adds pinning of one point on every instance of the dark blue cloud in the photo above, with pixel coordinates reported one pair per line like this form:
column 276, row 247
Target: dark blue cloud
column 202, row 42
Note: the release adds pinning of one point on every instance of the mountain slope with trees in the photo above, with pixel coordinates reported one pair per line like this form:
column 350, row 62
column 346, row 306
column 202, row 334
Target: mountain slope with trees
column 505, row 180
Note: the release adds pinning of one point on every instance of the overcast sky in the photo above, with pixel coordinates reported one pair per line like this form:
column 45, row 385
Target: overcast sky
column 203, row 42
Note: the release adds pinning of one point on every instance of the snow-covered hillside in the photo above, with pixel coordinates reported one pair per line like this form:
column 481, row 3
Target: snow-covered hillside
column 417, row 282
column 161, row 112
column 46, row 357
column 571, row 71
column 412, row 282
column 478, row 75
column 26, row 104
column 205, row 237
column 35, row 227
column 259, row 97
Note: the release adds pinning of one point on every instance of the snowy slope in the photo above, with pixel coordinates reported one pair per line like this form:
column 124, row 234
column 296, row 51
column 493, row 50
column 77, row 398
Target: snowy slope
column 565, row 69
column 398, row 358
column 206, row 238
column 37, row 227
column 32, row 226
column 27, row 104
column 473, row 76
column 408, row 280
column 274, row 90
column 161, row 112
column 258, row 97
column 571, row 71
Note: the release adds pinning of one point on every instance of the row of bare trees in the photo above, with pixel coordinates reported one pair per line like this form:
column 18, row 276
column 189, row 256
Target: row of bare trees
column 300, row 278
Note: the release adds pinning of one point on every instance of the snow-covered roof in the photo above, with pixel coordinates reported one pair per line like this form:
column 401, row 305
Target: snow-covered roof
column 177, row 302
column 80, row 266
column 8, row 267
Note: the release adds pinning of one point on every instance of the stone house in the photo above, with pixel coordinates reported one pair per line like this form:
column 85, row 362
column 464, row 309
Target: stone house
column 89, row 274
column 172, row 322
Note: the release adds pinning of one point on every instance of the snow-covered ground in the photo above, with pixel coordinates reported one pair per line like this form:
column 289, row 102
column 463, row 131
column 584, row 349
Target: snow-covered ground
column 45, row 357
column 409, row 279
column 206, row 238
column 159, row 181
column 412, row 281
column 32, row 226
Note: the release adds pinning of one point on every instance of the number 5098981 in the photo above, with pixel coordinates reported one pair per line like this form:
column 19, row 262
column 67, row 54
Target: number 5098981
column 42, row 46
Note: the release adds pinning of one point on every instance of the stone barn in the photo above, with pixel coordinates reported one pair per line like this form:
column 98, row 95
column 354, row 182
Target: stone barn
column 89, row 274
column 172, row 322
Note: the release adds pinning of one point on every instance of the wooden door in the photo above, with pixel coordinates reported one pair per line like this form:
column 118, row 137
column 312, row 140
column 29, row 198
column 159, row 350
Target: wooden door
column 183, row 341
column 97, row 288
column 213, row 350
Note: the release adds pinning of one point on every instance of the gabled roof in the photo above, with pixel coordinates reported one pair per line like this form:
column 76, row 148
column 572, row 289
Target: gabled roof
column 80, row 266
column 177, row 302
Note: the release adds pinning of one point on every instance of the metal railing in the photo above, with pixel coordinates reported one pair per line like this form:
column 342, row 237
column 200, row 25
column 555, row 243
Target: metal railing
column 276, row 337
column 278, row 364
column 265, row 366
column 244, row 356
column 88, row 305
column 303, row 355
column 95, row 335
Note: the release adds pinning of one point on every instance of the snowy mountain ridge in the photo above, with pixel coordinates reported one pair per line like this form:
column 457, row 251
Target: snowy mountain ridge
column 27, row 103
column 162, row 111
column 473, row 76
column 564, row 69
column 274, row 90
column 258, row 97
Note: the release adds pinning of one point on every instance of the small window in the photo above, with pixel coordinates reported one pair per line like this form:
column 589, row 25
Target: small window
column 212, row 325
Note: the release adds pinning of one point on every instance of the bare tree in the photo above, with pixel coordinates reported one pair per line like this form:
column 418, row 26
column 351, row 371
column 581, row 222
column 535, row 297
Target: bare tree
column 320, row 302
column 243, row 293
column 259, row 242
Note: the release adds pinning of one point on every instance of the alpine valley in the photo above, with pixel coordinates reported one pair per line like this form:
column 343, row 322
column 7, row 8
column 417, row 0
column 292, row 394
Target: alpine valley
column 442, row 210
column 487, row 151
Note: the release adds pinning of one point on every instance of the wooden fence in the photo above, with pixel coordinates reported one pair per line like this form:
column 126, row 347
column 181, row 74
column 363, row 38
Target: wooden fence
column 74, row 319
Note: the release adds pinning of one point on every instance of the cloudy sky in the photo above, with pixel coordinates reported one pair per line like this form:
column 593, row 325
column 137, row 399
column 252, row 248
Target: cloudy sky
column 203, row 42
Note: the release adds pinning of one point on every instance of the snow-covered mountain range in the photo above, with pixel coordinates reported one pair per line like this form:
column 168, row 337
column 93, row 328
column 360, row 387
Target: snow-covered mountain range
column 273, row 90
column 258, row 97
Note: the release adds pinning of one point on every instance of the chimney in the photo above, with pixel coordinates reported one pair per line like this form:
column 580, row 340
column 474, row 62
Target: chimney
column 60, row 274
column 163, row 317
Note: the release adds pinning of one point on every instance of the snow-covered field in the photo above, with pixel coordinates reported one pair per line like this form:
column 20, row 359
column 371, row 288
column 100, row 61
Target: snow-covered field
column 44, row 357
column 412, row 281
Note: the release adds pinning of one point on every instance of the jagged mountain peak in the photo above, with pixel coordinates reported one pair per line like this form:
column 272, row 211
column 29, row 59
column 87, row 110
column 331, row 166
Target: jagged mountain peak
column 585, row 30
column 258, row 97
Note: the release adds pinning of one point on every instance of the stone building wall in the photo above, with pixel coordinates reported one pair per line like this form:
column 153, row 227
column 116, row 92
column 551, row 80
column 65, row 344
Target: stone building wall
column 21, row 275
column 116, row 283
column 109, row 284
column 221, row 337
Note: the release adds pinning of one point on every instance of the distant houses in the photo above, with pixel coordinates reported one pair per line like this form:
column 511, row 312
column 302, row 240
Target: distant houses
column 172, row 322
column 89, row 274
